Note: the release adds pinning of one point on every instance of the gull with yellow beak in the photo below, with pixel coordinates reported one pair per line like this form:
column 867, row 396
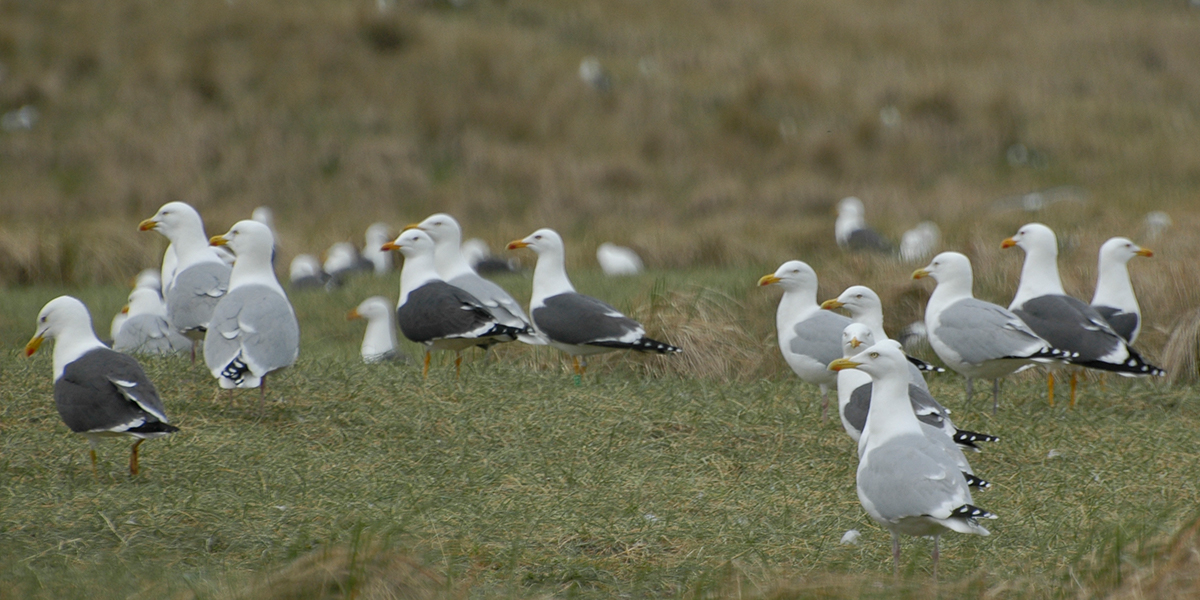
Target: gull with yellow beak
column 572, row 322
column 1114, row 298
column 254, row 330
column 200, row 276
column 809, row 338
column 1063, row 321
column 865, row 307
column 907, row 483
column 379, row 342
column 146, row 331
column 98, row 392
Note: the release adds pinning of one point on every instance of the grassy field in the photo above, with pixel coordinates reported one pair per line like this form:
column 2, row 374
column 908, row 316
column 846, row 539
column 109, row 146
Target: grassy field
column 515, row 482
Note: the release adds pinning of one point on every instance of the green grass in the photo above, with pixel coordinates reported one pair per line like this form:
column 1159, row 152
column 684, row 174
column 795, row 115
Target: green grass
column 515, row 482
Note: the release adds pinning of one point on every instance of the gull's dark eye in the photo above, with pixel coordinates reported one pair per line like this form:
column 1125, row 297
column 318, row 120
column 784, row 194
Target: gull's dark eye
column 874, row 355
column 858, row 296
column 537, row 237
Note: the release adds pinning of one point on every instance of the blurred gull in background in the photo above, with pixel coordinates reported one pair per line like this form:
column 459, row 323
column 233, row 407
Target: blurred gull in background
column 919, row 242
column 618, row 260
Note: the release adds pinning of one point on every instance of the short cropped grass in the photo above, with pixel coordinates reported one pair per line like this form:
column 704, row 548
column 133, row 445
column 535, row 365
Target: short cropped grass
column 514, row 481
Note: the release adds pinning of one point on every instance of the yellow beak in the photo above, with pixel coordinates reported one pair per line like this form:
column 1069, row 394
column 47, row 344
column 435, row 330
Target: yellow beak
column 147, row 225
column 353, row 314
column 125, row 309
column 1145, row 252
column 768, row 280
column 1008, row 243
column 842, row 363
column 517, row 244
column 831, row 304
column 33, row 345
column 854, row 343
column 920, row 273
column 217, row 240
column 412, row 226
column 389, row 246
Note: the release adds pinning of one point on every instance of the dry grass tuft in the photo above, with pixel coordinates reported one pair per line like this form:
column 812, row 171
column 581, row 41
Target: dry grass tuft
column 1183, row 348
column 1175, row 576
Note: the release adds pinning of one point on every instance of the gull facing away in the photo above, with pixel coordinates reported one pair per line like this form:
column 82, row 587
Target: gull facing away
column 147, row 331
column 617, row 261
column 201, row 276
column 1114, row 298
column 1063, row 321
column 977, row 339
column 865, row 307
column 572, row 322
column 851, row 231
column 439, row 315
column 906, row 483
column 98, row 392
column 854, row 401
column 454, row 269
column 254, row 329
column 809, row 338
column 379, row 342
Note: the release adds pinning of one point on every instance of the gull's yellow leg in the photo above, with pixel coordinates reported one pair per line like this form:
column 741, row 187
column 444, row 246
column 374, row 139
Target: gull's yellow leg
column 425, row 371
column 1052, row 388
column 133, row 458
column 457, row 364
column 1073, row 376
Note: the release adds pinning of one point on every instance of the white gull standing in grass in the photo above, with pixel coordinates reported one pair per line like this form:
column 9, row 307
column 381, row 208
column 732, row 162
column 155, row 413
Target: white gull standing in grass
column 977, row 339
column 147, row 331
column 920, row 241
column 254, row 330
column 572, row 322
column 1065, row 322
column 452, row 267
column 809, row 338
column 439, row 315
column 376, row 236
column 617, row 260
column 851, row 231
column 865, row 307
column 342, row 261
column 305, row 272
column 379, row 342
column 906, row 483
column 1114, row 298
column 98, row 392
column 201, row 276
column 854, row 401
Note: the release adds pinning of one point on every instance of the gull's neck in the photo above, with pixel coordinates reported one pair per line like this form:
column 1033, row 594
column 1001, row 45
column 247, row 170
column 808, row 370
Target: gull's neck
column 945, row 293
column 549, row 277
column 795, row 305
column 416, row 272
column 1039, row 276
column 191, row 247
column 380, row 337
column 891, row 413
column 873, row 318
column 72, row 343
column 448, row 258
column 1113, row 287
column 253, row 269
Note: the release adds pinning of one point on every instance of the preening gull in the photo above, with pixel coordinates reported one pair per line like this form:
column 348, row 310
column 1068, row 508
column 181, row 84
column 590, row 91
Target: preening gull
column 379, row 343
column 1063, row 321
column 977, row 339
column 453, row 268
column 1114, row 298
column 572, row 322
column 618, row 260
column 920, row 241
column 98, row 392
column 437, row 314
column 809, row 338
column 854, row 401
column 865, row 307
column 254, row 329
column 305, row 272
column 147, row 331
column 377, row 235
column 201, row 276
column 906, row 483
column 851, row 231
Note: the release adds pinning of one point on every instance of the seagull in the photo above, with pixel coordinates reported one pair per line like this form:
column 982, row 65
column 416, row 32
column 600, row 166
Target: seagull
column 148, row 279
column 854, row 401
column 98, row 392
column 865, row 307
column 809, row 338
column 977, row 339
column 341, row 261
column 377, row 235
column 254, row 329
column 305, row 272
column 200, row 278
column 906, row 483
column 1063, row 321
column 379, row 343
column 920, row 241
column 439, row 315
column 147, row 331
column 616, row 260
column 1114, row 298
column 453, row 268
column 851, row 231
column 572, row 322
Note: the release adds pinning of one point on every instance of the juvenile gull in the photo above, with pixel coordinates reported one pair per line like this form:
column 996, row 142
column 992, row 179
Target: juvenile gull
column 572, row 322
column 617, row 260
column 809, row 338
column 906, row 483
column 1114, row 298
column 453, row 268
column 1063, row 321
column 379, row 342
column 439, row 315
column 865, row 307
column 147, row 331
column 851, row 231
column 977, row 339
column 98, row 392
column 201, row 277
column 854, row 400
column 254, row 329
